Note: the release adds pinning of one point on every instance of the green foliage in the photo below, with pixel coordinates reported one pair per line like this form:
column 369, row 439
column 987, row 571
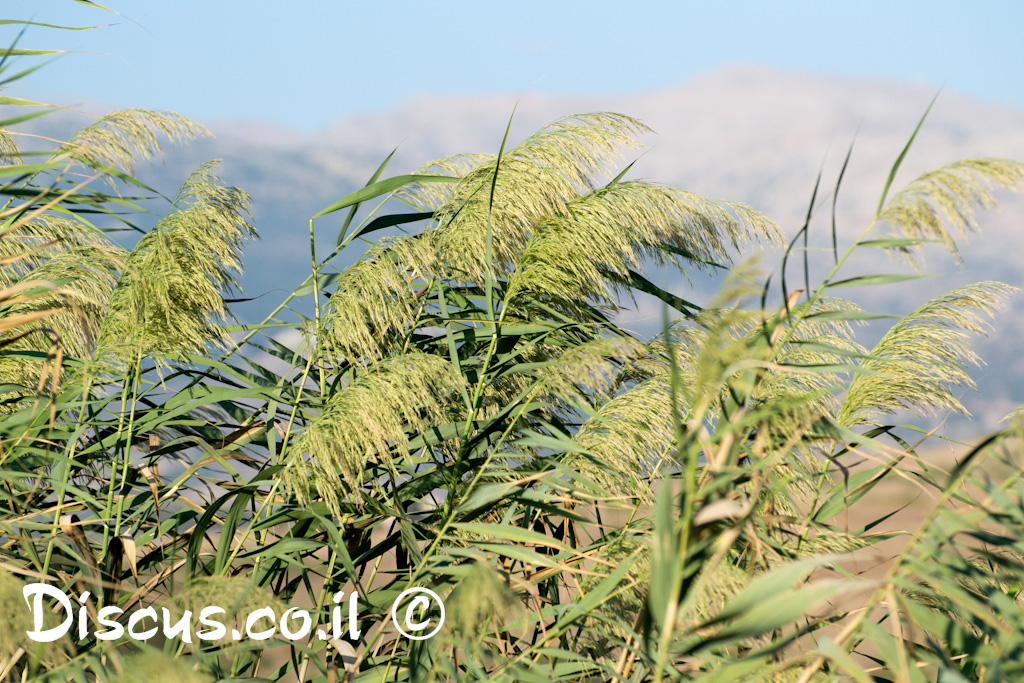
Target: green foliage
column 464, row 413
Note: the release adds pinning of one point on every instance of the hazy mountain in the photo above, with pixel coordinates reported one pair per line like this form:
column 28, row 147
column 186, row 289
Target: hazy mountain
column 744, row 133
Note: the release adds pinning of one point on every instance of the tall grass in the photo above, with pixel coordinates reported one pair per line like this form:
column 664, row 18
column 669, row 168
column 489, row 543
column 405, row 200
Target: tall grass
column 463, row 413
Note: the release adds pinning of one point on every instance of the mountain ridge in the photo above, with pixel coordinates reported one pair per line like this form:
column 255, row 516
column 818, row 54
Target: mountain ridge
column 745, row 133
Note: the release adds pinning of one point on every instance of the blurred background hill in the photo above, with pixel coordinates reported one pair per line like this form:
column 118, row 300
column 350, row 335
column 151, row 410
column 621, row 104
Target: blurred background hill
column 743, row 132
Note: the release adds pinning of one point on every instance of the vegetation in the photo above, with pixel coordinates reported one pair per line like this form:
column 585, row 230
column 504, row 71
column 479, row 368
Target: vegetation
column 464, row 413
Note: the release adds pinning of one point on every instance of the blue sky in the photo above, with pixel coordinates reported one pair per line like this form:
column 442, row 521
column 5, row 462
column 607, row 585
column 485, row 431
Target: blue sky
column 307, row 63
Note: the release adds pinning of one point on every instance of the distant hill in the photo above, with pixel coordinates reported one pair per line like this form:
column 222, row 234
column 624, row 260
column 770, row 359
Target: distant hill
column 742, row 133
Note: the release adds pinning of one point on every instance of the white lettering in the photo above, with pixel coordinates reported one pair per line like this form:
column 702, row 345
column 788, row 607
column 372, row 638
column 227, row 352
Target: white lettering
column 107, row 617
column 303, row 616
column 217, row 631
column 184, row 625
column 38, row 590
column 139, row 616
column 264, row 613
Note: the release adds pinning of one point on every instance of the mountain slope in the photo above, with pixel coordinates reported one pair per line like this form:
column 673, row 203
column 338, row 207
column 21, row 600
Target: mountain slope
column 743, row 133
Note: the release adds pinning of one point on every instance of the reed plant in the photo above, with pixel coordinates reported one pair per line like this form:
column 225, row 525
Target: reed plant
column 463, row 412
